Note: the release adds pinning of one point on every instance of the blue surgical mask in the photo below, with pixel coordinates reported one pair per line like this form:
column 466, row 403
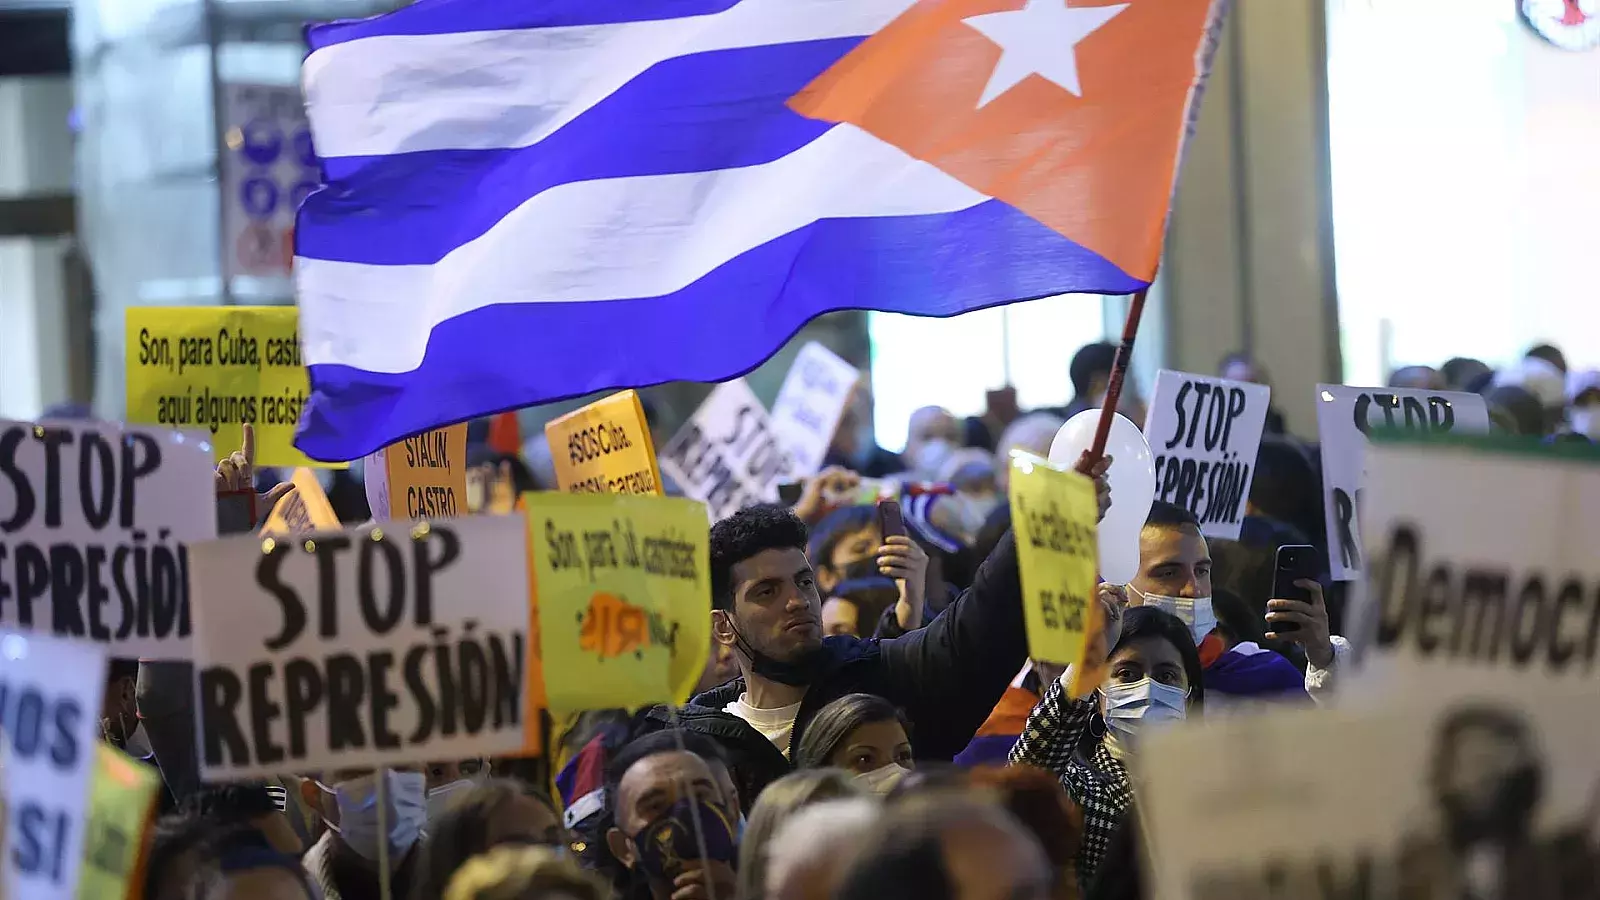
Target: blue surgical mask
column 407, row 802
column 1133, row 707
column 1195, row 612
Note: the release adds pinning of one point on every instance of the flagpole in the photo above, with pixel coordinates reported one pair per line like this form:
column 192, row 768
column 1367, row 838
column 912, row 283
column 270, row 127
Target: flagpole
column 1119, row 372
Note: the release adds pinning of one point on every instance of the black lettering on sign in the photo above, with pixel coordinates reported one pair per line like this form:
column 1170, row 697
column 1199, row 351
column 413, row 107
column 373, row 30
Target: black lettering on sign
column 467, row 686
column 39, row 841
column 1049, row 529
column 1484, row 614
column 1210, row 417
column 591, row 443
column 107, row 477
column 1435, row 415
column 143, row 586
column 429, row 450
column 1344, row 521
column 1214, row 490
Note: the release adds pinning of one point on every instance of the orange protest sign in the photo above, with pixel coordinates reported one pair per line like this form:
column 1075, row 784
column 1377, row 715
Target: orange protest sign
column 605, row 448
column 421, row 477
column 305, row 508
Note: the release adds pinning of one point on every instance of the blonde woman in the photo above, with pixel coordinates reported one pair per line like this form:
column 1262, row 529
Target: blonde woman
column 777, row 804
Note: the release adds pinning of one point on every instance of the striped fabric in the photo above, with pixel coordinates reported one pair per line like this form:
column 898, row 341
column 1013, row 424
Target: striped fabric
column 279, row 795
column 526, row 201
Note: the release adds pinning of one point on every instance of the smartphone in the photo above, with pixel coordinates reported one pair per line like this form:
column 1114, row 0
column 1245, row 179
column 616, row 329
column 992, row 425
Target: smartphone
column 236, row 512
column 1294, row 562
column 890, row 520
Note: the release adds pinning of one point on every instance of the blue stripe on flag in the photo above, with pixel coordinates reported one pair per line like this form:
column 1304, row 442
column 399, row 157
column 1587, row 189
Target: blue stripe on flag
column 701, row 113
column 716, row 328
column 448, row 16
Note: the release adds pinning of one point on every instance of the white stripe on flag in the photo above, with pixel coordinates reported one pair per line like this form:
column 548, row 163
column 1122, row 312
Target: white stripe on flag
column 610, row 239
column 496, row 89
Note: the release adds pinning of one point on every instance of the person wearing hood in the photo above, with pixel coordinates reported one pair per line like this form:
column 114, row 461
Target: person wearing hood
column 345, row 861
column 864, row 735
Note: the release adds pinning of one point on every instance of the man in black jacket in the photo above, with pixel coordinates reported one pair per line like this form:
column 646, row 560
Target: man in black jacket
column 947, row 677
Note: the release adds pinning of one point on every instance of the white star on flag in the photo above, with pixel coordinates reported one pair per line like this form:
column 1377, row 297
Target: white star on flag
column 1039, row 39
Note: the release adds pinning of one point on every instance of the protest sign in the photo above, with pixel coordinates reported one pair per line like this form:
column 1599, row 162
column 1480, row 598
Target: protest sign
column 1345, row 415
column 1483, row 565
column 810, row 402
column 604, row 448
column 50, row 692
column 727, row 455
column 421, row 477
column 304, row 508
column 624, row 597
column 268, row 167
column 1445, row 797
column 367, row 647
column 215, row 368
column 1205, row 433
column 93, row 518
column 122, row 803
column 1053, row 513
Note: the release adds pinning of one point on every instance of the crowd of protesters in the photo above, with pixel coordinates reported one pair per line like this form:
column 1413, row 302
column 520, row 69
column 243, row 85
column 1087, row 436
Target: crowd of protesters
column 869, row 724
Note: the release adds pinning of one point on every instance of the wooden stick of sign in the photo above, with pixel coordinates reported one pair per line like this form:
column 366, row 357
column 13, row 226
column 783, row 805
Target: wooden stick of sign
column 1119, row 373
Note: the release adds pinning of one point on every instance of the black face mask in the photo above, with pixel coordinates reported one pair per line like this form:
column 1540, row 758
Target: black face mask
column 866, row 567
column 798, row 673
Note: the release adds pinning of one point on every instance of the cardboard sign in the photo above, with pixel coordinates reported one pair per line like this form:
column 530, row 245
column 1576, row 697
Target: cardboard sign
column 1205, row 433
column 605, row 448
column 1054, row 514
column 1483, row 566
column 215, row 368
column 624, row 595
column 93, row 518
column 421, row 477
column 122, row 804
column 813, row 397
column 391, row 644
column 50, row 692
column 1345, row 415
column 304, row 508
column 1339, row 805
column 727, row 455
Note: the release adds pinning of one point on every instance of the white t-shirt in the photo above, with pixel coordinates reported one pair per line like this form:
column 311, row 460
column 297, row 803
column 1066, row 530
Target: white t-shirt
column 777, row 725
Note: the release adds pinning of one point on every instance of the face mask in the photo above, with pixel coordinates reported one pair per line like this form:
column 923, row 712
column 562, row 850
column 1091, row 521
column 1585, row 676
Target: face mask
column 1586, row 422
column 1130, row 708
column 882, row 780
column 1196, row 613
column 972, row 511
column 667, row 843
column 866, row 567
column 798, row 673
column 358, row 812
column 440, row 798
column 929, row 458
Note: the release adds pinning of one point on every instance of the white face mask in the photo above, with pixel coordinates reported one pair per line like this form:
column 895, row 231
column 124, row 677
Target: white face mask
column 1132, row 707
column 358, row 812
column 1195, row 613
column 440, row 798
column 1586, row 421
column 882, row 780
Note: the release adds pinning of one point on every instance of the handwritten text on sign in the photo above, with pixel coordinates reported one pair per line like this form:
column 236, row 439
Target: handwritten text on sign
column 1344, row 417
column 727, row 455
column 50, row 693
column 604, row 448
column 421, row 477
column 362, row 647
column 809, row 404
column 1054, row 514
column 624, row 598
column 92, row 524
column 1206, row 432
column 1458, row 593
column 215, row 368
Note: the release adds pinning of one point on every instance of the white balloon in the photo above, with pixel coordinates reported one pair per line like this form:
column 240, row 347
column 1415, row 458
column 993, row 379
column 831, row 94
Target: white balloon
column 1133, row 487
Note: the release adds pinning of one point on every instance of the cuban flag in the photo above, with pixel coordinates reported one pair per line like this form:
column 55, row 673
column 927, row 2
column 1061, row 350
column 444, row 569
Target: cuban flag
column 528, row 200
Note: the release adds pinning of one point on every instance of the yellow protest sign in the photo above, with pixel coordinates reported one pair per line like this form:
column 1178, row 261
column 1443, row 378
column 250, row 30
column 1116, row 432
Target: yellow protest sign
column 623, row 597
column 421, row 477
column 122, row 803
column 215, row 368
column 605, row 448
column 305, row 508
column 1053, row 515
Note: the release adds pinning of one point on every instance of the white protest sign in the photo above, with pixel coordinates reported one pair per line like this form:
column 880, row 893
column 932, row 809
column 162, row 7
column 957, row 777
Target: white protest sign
column 1434, row 798
column 1344, row 417
column 50, row 692
column 366, row 647
column 269, row 168
column 807, row 411
column 1483, row 566
column 727, row 455
column 1205, row 433
column 93, row 519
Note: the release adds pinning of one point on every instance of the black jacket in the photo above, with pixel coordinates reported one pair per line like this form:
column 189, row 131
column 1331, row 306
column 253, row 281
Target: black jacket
column 947, row 678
